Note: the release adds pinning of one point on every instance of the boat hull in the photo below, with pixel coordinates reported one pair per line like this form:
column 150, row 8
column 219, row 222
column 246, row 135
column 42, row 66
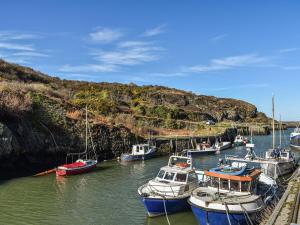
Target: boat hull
column 204, row 217
column 201, row 152
column 238, row 143
column 75, row 171
column 128, row 157
column 295, row 147
column 157, row 206
column 225, row 146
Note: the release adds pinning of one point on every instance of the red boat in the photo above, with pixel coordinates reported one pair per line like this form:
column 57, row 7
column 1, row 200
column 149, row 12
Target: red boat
column 78, row 167
column 85, row 162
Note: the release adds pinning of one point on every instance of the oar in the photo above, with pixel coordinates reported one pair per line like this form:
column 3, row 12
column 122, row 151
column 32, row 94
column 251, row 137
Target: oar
column 45, row 173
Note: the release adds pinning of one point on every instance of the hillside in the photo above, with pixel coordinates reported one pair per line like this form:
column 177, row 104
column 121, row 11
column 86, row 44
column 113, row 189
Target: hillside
column 42, row 115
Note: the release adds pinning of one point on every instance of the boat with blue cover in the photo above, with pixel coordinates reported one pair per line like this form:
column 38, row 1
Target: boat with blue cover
column 139, row 152
column 170, row 190
column 230, row 196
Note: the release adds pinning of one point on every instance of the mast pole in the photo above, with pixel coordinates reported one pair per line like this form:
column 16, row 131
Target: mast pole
column 280, row 129
column 273, row 115
column 86, row 132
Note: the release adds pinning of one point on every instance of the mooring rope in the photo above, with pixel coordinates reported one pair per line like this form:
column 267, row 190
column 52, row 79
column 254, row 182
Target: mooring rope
column 166, row 211
column 227, row 212
column 246, row 214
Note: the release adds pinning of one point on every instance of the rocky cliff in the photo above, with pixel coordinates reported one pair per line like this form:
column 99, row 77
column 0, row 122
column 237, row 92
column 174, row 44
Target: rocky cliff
column 41, row 117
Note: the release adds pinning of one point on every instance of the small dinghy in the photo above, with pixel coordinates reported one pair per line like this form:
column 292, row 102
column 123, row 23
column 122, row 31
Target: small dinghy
column 139, row 152
column 240, row 140
column 229, row 197
column 169, row 191
column 223, row 145
column 86, row 161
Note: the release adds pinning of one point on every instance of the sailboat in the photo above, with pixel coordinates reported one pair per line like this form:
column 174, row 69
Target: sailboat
column 86, row 160
column 277, row 161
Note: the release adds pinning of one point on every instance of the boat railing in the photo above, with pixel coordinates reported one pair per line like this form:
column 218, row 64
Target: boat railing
column 155, row 188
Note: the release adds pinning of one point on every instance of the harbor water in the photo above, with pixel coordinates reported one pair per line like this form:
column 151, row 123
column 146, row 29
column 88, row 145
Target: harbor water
column 106, row 196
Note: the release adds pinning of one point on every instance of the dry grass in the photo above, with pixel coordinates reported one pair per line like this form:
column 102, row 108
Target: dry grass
column 74, row 114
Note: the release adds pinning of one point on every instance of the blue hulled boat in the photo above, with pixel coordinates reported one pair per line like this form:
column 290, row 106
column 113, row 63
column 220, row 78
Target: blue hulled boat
column 139, row 152
column 171, row 188
column 229, row 196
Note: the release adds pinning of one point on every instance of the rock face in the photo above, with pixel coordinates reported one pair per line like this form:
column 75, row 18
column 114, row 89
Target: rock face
column 41, row 117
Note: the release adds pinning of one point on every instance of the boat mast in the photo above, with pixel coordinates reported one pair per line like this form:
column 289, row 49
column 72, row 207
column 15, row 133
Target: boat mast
column 280, row 128
column 273, row 115
column 86, row 132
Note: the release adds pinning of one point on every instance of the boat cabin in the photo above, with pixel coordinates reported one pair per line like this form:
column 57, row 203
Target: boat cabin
column 140, row 149
column 278, row 153
column 233, row 183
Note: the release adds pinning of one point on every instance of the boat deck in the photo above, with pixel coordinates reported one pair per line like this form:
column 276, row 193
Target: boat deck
column 209, row 195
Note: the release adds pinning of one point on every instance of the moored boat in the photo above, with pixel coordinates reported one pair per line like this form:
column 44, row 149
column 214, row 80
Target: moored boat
column 295, row 139
column 169, row 191
column 86, row 161
column 223, row 145
column 240, row 140
column 201, row 149
column 139, row 152
column 230, row 196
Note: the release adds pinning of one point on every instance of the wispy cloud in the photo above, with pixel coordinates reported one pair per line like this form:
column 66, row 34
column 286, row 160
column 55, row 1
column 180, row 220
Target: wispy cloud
column 245, row 86
column 228, row 63
column 13, row 46
column 88, row 68
column 30, row 54
column 105, row 35
column 291, row 67
column 14, row 35
column 129, row 56
column 286, row 50
column 155, row 31
column 218, row 37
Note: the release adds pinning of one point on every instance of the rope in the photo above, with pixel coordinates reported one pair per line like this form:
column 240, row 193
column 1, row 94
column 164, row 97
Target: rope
column 227, row 214
column 246, row 214
column 166, row 211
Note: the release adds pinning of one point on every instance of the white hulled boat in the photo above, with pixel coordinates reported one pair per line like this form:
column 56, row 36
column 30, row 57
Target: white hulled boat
column 171, row 188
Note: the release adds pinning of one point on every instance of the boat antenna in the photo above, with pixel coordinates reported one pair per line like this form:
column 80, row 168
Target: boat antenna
column 86, row 132
column 273, row 125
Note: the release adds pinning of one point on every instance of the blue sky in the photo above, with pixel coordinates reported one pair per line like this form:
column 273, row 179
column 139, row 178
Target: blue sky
column 239, row 49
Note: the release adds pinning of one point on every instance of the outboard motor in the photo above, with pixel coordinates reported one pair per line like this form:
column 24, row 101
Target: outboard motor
column 221, row 162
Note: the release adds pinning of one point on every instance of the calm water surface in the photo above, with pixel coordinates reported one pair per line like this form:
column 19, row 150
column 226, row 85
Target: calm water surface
column 107, row 196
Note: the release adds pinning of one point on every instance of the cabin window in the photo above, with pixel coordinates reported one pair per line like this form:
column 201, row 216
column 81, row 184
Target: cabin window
column 192, row 177
column 245, row 186
column 224, row 184
column 180, row 177
column 169, row 176
column 234, row 185
column 137, row 149
column 215, row 182
column 161, row 174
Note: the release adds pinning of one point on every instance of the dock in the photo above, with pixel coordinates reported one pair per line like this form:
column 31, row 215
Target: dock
column 287, row 211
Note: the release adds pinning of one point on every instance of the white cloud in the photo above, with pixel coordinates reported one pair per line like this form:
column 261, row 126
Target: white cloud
column 286, row 50
column 129, row 56
column 155, row 31
column 127, row 44
column 13, row 46
column 92, row 68
column 30, row 54
column 228, row 63
column 218, row 37
column 13, row 35
column 105, row 35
